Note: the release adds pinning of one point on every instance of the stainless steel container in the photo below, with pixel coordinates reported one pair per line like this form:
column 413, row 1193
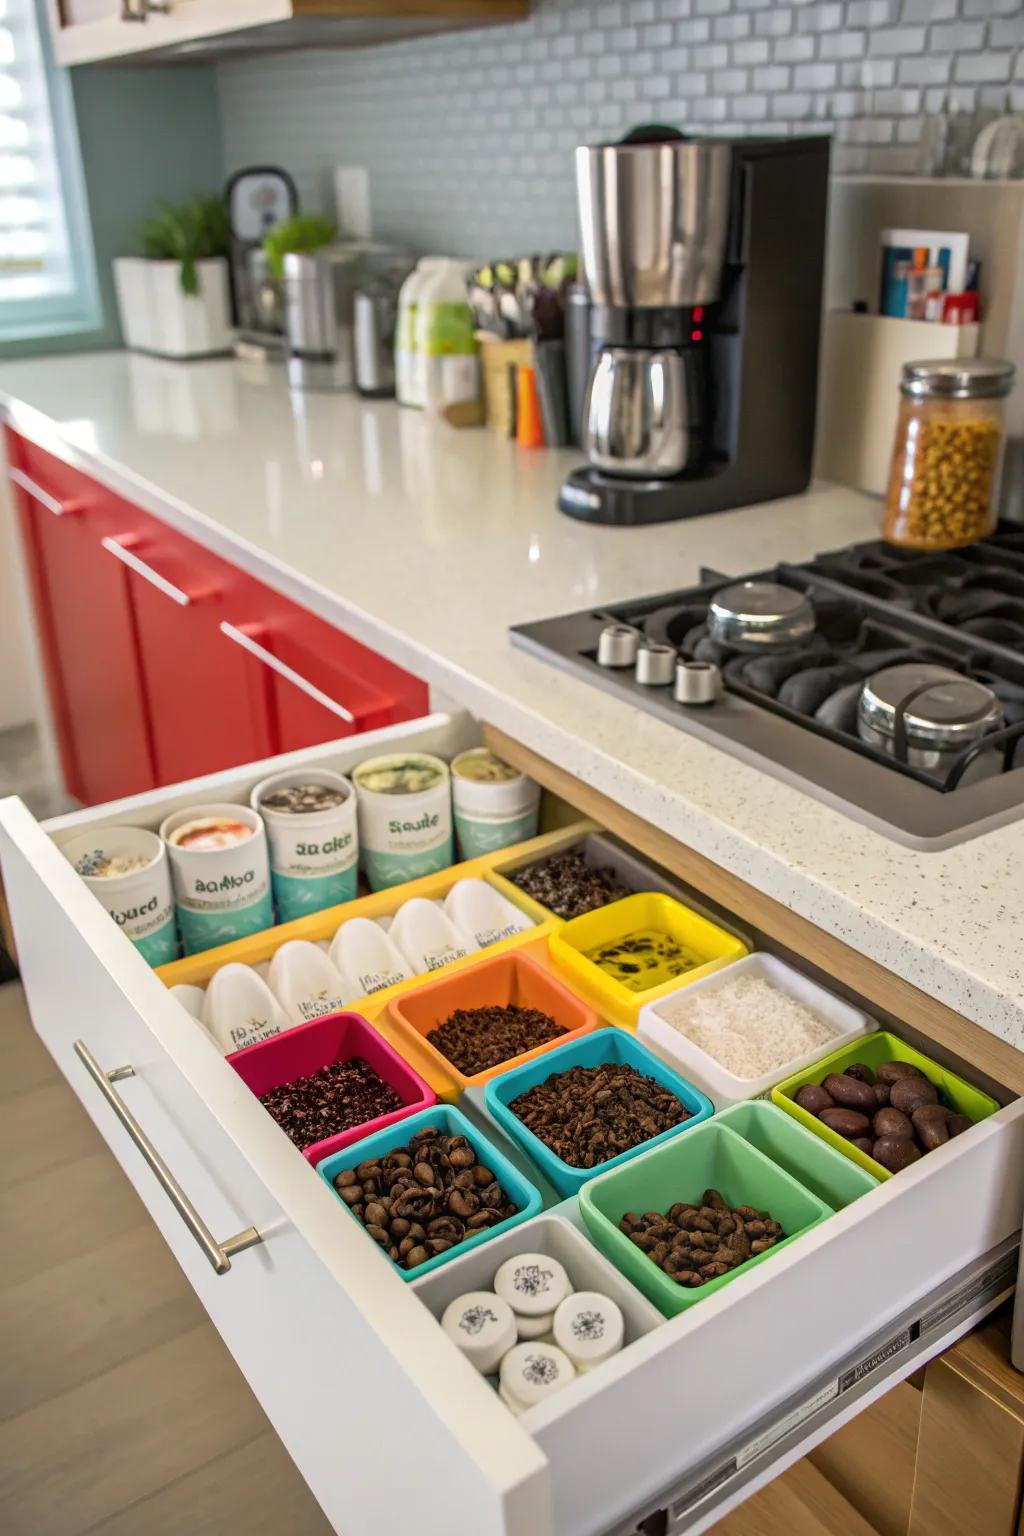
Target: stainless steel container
column 653, row 221
column 759, row 616
column 655, row 665
column 639, row 413
column 376, row 316
column 319, row 307
column 617, row 645
column 926, row 716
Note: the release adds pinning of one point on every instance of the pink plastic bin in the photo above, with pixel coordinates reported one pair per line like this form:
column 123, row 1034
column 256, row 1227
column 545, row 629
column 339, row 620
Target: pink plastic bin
column 301, row 1051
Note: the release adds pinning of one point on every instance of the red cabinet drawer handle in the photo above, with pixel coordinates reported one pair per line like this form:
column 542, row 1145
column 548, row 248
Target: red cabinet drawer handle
column 118, row 547
column 290, row 676
column 30, row 486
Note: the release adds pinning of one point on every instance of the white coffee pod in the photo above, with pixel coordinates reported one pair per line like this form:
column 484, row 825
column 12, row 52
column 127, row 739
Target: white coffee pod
column 482, row 1326
column 532, row 1372
column 477, row 908
column 305, row 982
column 239, row 1008
column 532, row 1283
column 534, row 1327
column 589, row 1328
column 426, row 938
column 191, row 998
column 366, row 959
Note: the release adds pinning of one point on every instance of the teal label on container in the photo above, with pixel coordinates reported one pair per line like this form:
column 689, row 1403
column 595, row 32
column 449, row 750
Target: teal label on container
column 384, row 870
column 298, row 895
column 161, row 947
column 205, row 930
column 476, row 837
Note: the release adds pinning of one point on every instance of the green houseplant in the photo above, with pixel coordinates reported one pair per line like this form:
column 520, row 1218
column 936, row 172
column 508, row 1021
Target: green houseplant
column 190, row 232
column 174, row 300
column 302, row 232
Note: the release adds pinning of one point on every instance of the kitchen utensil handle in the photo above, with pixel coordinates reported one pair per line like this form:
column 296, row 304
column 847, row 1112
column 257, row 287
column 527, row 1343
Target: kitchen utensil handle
column 239, row 637
column 118, row 546
column 58, row 508
column 218, row 1254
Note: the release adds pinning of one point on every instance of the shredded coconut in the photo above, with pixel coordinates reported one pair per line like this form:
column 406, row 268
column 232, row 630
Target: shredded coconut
column 747, row 1025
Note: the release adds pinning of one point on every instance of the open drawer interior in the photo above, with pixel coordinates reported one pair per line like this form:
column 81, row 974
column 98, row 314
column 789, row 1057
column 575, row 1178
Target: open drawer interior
column 348, row 1358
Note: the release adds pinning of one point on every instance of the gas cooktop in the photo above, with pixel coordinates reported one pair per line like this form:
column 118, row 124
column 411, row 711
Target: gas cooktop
column 791, row 707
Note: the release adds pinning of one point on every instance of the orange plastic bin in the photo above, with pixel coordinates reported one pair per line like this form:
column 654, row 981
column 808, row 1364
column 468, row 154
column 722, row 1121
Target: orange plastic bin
column 508, row 980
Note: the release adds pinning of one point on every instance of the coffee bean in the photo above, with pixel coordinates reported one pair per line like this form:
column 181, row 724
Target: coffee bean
column 338, row 1097
column 682, row 1245
column 567, row 885
column 411, row 1204
column 562, row 1111
column 474, row 1039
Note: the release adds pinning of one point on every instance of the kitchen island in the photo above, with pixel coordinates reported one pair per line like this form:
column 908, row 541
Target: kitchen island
column 427, row 543
column 424, row 544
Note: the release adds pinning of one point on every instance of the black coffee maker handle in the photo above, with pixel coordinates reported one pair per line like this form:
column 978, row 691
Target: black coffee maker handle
column 653, row 133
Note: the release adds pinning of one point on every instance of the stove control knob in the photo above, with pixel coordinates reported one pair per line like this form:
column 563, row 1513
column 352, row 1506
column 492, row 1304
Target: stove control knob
column 655, row 665
column 617, row 645
column 697, row 682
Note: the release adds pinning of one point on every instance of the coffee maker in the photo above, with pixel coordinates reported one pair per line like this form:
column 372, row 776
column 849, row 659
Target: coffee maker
column 704, row 262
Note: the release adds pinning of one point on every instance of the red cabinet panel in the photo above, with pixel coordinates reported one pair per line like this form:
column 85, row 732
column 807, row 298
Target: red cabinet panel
column 88, row 639
column 164, row 661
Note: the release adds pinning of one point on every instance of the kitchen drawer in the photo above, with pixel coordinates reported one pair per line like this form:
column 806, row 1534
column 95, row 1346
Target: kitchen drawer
column 379, row 1412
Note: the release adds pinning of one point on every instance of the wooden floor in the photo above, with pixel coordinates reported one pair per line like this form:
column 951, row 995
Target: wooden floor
column 121, row 1412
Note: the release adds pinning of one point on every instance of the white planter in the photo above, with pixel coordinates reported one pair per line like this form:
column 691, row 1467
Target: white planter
column 157, row 316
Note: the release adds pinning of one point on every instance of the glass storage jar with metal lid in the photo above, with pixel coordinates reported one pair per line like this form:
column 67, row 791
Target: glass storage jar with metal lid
column 945, row 460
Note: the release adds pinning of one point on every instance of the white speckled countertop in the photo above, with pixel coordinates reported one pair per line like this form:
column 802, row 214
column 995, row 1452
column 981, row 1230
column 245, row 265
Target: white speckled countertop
column 427, row 543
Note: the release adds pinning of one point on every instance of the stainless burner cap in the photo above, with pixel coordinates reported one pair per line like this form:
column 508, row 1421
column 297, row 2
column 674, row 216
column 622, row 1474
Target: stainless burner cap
column 759, row 615
column 617, row 645
column 943, row 711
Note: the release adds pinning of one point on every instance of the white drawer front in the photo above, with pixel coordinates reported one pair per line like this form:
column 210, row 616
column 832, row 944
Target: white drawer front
column 378, row 1411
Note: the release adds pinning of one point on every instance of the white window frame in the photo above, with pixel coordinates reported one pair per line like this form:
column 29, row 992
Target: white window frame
column 78, row 308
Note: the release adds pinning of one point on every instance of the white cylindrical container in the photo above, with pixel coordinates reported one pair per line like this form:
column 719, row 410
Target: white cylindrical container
column 589, row 1328
column 407, row 380
column 314, row 848
column 447, row 361
column 494, row 805
column 221, row 874
column 535, row 1327
column 127, row 871
column 405, row 817
column 482, row 1326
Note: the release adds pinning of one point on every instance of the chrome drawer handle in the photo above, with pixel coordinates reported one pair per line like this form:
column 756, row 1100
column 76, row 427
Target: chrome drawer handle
column 119, row 549
column 58, row 508
column 295, row 678
column 219, row 1254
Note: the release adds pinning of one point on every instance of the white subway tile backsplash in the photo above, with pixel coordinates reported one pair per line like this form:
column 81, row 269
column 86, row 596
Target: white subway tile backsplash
column 469, row 137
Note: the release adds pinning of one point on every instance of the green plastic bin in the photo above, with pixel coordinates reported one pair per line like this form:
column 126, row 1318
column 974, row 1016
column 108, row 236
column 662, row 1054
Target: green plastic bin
column 819, row 1168
column 954, row 1092
column 712, row 1156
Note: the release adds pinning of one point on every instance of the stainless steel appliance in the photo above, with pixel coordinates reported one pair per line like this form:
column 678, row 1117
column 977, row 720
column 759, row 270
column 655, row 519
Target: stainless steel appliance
column 703, row 260
column 257, row 198
column 319, row 308
column 887, row 683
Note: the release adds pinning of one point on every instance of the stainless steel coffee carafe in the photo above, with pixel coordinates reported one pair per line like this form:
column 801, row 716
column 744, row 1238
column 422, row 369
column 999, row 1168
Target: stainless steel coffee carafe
column 653, row 224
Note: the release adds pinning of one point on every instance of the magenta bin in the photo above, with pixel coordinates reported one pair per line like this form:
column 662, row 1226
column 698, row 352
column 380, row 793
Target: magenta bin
column 301, row 1051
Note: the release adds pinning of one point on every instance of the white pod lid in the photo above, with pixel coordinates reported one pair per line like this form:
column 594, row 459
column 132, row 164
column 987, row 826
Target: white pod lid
column 589, row 1328
column 427, row 938
column 239, row 1008
column 532, row 1283
column 482, row 1326
column 477, row 908
column 532, row 1372
column 191, row 998
column 305, row 982
column 366, row 958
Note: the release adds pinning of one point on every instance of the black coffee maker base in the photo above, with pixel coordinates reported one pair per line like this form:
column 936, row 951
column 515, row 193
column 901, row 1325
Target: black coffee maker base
column 596, row 498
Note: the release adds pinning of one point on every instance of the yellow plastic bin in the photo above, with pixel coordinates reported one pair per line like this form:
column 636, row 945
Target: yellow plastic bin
column 647, row 916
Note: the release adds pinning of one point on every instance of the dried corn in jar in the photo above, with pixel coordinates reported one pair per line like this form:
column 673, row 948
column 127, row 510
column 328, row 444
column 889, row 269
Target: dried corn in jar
column 946, row 456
